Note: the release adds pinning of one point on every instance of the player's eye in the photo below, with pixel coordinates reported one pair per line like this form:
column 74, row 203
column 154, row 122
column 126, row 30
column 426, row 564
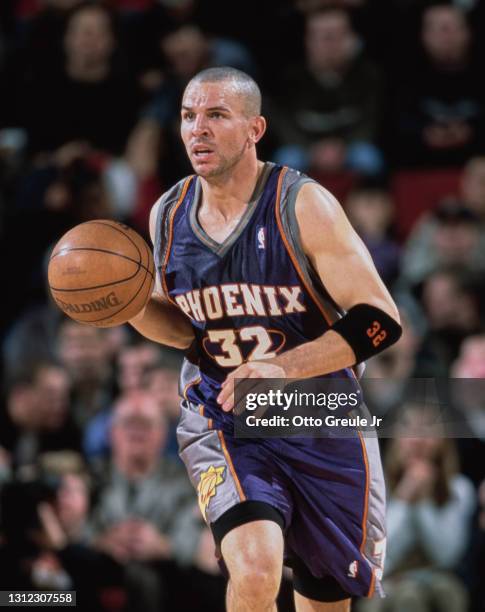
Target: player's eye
column 188, row 116
column 216, row 115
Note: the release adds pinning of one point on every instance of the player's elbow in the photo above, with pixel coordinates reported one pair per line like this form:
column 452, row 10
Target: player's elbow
column 181, row 343
column 389, row 307
column 393, row 312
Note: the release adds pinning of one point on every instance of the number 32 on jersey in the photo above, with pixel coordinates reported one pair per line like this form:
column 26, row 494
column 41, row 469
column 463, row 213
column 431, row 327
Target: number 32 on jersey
column 232, row 347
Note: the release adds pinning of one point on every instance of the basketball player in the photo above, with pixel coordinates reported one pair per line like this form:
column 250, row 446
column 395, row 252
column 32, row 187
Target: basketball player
column 261, row 273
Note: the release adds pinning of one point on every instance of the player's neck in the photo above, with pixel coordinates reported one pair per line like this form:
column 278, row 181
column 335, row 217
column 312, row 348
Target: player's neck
column 230, row 192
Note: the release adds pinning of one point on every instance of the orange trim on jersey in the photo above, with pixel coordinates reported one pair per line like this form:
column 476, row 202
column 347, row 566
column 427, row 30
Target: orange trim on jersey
column 242, row 497
column 170, row 237
column 366, row 499
column 202, row 413
column 190, row 384
column 290, row 250
column 372, row 584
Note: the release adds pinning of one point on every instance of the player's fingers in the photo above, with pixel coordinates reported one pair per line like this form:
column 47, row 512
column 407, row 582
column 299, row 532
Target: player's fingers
column 224, row 394
column 228, row 405
column 228, row 400
column 228, row 383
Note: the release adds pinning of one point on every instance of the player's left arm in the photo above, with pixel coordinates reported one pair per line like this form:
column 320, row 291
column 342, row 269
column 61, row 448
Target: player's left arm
column 347, row 271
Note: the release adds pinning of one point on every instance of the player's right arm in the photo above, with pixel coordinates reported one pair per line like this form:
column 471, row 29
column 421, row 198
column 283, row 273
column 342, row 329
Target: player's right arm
column 160, row 320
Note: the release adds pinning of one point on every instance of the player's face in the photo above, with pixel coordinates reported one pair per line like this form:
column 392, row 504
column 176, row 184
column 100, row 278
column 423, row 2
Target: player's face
column 215, row 128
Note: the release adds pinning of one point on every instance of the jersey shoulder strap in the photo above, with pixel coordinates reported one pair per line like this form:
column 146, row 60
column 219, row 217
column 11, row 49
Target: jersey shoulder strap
column 167, row 205
column 291, row 183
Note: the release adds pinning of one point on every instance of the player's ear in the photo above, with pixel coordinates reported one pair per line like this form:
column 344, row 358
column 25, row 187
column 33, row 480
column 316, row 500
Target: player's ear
column 257, row 129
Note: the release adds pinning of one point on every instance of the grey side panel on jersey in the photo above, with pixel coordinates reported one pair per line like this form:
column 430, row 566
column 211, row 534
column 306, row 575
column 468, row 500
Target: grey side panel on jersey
column 189, row 374
column 292, row 183
column 167, row 202
column 375, row 543
column 200, row 448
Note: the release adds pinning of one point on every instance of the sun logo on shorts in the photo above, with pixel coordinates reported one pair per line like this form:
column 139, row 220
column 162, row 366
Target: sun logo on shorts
column 207, row 486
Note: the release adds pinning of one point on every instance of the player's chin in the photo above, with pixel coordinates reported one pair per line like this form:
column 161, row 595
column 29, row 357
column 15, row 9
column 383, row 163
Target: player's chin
column 204, row 168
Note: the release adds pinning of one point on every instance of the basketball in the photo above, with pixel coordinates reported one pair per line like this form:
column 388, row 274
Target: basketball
column 101, row 273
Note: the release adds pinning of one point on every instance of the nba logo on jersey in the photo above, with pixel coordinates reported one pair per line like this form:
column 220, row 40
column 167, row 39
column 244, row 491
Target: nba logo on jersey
column 261, row 237
column 353, row 569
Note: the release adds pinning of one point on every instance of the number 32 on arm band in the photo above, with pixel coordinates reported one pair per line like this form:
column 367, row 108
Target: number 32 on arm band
column 368, row 330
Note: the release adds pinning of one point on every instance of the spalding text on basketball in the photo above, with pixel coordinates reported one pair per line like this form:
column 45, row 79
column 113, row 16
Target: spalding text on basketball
column 104, row 303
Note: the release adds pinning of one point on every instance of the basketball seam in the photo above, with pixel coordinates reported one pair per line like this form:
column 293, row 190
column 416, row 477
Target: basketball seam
column 136, row 294
column 69, row 249
column 125, row 306
column 110, row 225
column 122, row 280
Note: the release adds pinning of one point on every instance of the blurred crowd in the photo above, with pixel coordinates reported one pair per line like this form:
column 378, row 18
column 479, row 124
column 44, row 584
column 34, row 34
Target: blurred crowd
column 383, row 102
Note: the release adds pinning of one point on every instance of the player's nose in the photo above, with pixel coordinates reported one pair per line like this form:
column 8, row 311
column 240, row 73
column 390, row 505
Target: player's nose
column 200, row 126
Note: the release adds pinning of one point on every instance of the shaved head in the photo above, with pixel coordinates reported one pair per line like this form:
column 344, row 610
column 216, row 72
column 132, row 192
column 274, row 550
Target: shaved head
column 241, row 83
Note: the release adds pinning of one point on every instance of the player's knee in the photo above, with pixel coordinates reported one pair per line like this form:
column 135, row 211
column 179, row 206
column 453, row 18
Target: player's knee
column 257, row 580
column 256, row 584
column 254, row 557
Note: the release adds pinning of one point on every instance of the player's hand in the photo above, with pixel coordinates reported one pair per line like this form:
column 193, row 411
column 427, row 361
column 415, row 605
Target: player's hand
column 253, row 369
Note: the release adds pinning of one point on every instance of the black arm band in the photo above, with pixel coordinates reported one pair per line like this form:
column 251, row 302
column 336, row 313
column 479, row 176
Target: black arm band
column 368, row 330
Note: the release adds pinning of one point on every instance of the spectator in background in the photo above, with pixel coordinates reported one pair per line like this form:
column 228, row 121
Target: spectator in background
column 476, row 569
column 133, row 364
column 419, row 247
column 371, row 212
column 473, row 187
column 155, row 144
column 92, row 98
column 468, row 398
column 39, row 34
column 429, row 513
column 327, row 112
column 72, row 502
column 450, row 300
column 386, row 376
column 450, row 235
column 83, row 352
column 32, row 336
column 146, row 510
column 37, row 415
column 162, row 384
column 44, row 528
column 439, row 109
column 36, row 30
column 471, row 360
column 55, row 197
column 134, row 361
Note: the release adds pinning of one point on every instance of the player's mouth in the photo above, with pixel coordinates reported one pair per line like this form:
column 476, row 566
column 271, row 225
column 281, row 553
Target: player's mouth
column 202, row 152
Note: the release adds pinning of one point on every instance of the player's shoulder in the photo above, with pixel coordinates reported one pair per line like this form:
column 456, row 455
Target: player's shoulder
column 310, row 211
column 166, row 201
column 315, row 194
